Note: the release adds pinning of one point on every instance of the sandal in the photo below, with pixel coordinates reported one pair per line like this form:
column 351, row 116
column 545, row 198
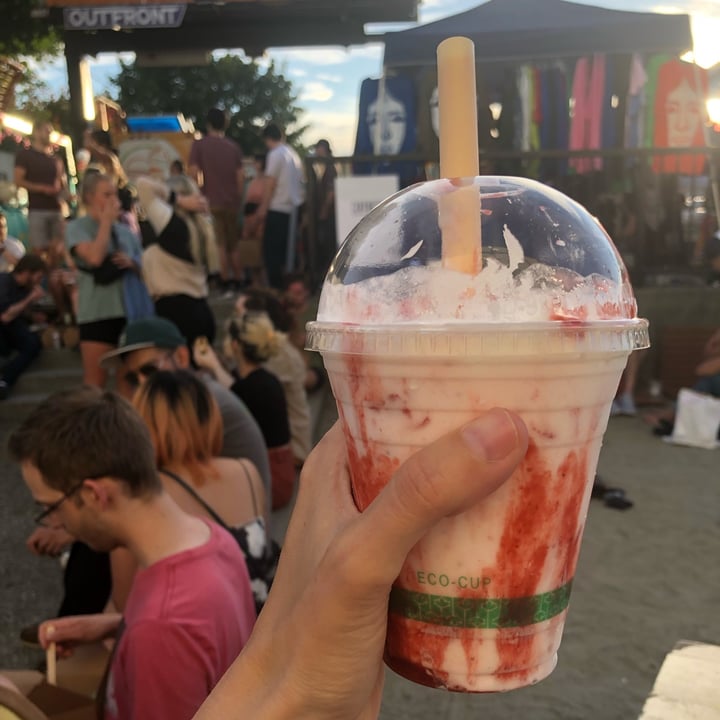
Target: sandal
column 616, row 499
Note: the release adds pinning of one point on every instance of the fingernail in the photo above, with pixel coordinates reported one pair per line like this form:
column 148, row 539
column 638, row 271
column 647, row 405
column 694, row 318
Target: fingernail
column 50, row 631
column 493, row 436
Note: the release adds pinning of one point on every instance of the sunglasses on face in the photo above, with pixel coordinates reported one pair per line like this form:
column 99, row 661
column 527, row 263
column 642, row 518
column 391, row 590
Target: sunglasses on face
column 132, row 377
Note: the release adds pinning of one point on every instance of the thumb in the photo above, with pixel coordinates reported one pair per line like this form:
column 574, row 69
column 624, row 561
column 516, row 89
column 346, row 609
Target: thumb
column 58, row 630
column 444, row 478
column 48, row 633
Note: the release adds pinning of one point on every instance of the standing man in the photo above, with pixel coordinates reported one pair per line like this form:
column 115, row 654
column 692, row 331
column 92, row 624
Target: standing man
column 284, row 193
column 216, row 164
column 42, row 174
column 18, row 291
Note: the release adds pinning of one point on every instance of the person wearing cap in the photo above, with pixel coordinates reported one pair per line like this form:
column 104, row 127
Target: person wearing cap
column 155, row 343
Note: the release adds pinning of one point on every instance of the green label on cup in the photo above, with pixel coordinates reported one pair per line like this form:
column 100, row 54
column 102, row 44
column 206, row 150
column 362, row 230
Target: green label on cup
column 479, row 613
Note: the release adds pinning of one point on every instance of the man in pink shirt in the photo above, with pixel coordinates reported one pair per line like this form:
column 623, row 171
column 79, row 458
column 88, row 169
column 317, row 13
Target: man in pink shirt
column 87, row 458
column 216, row 164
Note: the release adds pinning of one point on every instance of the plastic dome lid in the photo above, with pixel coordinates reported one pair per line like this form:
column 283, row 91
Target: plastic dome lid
column 547, row 265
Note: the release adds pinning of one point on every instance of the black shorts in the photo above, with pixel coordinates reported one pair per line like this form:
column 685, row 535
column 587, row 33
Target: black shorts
column 193, row 316
column 103, row 331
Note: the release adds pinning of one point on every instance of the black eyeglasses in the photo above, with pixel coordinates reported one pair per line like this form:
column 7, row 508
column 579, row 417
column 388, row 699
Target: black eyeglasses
column 132, row 377
column 50, row 509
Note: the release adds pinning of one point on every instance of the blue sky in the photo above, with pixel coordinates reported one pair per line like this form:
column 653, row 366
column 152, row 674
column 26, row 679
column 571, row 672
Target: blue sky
column 328, row 79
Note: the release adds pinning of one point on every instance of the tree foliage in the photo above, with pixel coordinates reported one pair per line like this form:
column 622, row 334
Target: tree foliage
column 23, row 34
column 251, row 96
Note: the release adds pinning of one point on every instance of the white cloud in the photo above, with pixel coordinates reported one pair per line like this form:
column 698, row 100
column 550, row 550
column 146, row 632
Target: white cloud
column 371, row 51
column 432, row 10
column 112, row 59
column 328, row 55
column 314, row 56
column 298, row 72
column 329, row 78
column 337, row 127
column 316, row 91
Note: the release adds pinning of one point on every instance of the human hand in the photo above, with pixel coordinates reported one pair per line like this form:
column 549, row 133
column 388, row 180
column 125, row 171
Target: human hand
column 316, row 650
column 204, row 355
column 111, row 210
column 69, row 632
column 36, row 293
column 122, row 260
column 192, row 203
column 48, row 541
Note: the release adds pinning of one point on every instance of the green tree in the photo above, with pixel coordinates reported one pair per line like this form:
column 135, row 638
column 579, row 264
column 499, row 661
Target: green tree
column 23, row 32
column 251, row 96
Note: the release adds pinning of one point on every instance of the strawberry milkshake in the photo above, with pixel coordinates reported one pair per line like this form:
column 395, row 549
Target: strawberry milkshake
column 414, row 349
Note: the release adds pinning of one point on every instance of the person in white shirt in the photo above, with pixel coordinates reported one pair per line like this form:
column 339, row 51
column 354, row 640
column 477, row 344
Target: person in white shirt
column 284, row 193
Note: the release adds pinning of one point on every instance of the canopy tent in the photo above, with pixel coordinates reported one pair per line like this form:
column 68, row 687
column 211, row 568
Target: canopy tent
column 516, row 30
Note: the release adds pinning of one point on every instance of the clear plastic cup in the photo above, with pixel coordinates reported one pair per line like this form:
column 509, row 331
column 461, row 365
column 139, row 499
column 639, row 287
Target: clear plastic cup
column 414, row 350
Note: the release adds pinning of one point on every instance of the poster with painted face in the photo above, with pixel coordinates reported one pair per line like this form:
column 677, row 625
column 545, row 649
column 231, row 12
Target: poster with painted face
column 387, row 123
column 387, row 120
column 680, row 116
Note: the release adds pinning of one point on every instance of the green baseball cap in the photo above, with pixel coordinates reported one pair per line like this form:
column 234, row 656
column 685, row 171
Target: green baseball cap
column 149, row 332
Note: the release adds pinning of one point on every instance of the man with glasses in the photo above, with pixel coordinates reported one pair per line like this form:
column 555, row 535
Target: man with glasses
column 88, row 461
column 146, row 346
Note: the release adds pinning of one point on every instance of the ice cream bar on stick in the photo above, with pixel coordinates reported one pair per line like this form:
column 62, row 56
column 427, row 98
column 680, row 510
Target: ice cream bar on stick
column 459, row 210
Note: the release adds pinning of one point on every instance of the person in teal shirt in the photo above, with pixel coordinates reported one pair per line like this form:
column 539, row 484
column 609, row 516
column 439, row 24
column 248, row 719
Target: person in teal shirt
column 104, row 251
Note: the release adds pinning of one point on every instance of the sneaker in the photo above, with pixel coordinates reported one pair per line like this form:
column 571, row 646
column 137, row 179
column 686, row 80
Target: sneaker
column 4, row 390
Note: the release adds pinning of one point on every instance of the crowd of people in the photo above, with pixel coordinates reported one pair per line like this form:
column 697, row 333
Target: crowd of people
column 205, row 429
column 153, row 246
column 161, row 491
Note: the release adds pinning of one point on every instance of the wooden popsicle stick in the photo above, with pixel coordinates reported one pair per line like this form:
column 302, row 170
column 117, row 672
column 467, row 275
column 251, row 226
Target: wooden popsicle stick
column 460, row 210
column 51, row 664
column 457, row 105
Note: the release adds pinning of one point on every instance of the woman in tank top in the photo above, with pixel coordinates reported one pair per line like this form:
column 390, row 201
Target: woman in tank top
column 186, row 430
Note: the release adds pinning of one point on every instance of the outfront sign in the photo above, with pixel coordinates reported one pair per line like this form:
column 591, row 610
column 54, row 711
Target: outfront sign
column 123, row 17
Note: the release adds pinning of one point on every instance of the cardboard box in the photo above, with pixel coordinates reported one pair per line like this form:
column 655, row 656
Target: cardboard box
column 45, row 702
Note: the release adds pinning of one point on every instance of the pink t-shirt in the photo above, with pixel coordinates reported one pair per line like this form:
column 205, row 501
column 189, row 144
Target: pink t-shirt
column 187, row 618
column 219, row 158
